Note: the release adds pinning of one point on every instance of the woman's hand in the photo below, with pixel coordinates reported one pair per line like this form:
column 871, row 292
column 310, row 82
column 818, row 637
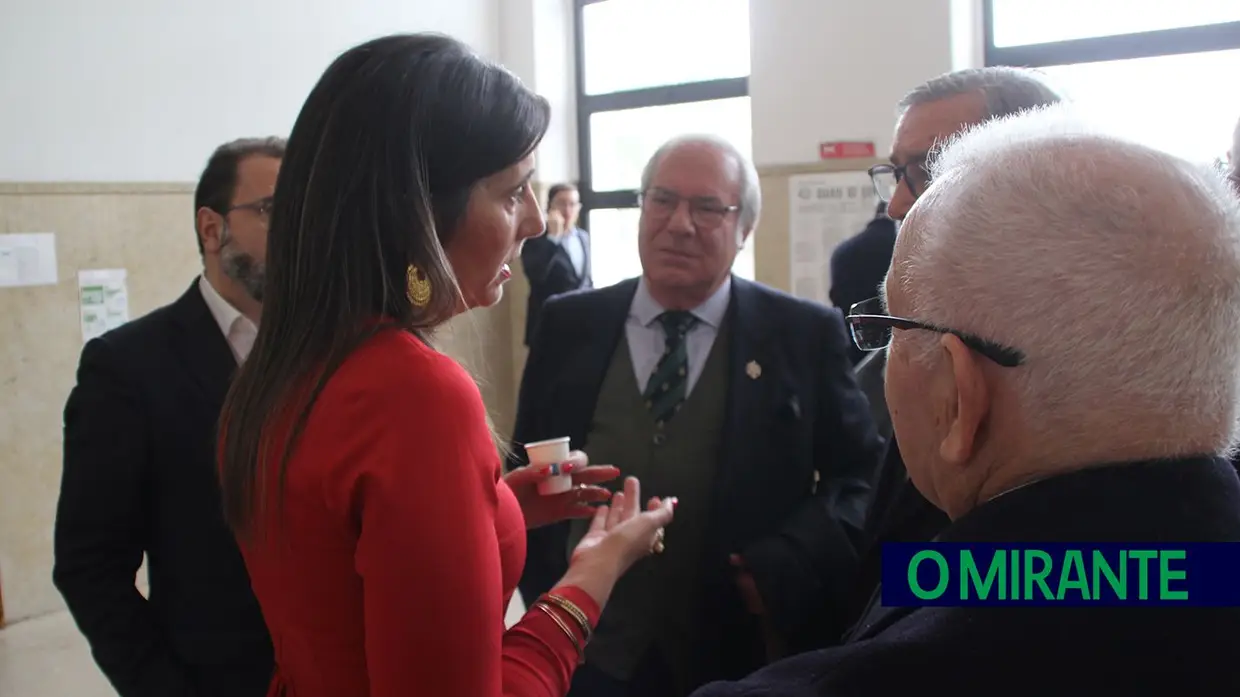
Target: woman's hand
column 619, row 535
column 577, row 502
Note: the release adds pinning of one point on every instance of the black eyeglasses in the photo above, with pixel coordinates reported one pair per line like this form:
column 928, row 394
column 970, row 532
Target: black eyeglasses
column 705, row 211
column 871, row 328
column 886, row 179
column 261, row 207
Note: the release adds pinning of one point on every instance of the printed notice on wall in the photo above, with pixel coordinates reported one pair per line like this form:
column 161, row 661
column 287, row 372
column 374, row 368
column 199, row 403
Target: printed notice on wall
column 826, row 209
column 27, row 259
column 104, row 299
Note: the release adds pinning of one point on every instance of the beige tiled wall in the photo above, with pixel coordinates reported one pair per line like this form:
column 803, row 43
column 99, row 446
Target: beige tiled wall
column 146, row 229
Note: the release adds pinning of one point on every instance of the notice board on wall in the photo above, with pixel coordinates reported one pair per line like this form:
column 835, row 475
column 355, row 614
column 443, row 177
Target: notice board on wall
column 798, row 231
column 823, row 211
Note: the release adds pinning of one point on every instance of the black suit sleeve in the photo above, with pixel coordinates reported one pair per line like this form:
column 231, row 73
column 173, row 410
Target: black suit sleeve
column 545, row 559
column 549, row 271
column 100, row 530
column 537, row 256
column 805, row 571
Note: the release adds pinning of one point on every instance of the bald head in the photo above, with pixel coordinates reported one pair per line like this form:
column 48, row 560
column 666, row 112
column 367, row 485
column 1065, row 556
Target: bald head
column 1114, row 268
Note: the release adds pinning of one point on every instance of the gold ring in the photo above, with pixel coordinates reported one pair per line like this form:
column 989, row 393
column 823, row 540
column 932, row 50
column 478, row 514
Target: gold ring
column 658, row 545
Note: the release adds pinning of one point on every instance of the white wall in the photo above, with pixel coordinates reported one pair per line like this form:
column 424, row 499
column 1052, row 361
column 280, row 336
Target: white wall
column 536, row 43
column 827, row 70
column 143, row 90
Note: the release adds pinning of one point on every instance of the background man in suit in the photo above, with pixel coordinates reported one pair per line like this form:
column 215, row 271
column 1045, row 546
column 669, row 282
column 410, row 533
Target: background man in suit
column 859, row 264
column 737, row 399
column 1023, row 433
column 559, row 261
column 139, row 464
column 929, row 115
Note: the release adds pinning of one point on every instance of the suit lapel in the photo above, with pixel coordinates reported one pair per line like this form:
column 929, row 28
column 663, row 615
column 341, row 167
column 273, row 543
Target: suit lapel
column 751, row 368
column 582, row 378
column 202, row 346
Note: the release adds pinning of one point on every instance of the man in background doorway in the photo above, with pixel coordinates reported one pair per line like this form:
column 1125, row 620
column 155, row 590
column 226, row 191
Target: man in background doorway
column 559, row 261
column 139, row 464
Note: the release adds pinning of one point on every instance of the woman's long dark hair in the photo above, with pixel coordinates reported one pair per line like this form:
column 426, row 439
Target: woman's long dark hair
column 377, row 176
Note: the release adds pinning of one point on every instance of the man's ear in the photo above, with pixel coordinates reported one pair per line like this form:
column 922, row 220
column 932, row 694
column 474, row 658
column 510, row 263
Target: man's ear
column 970, row 405
column 209, row 227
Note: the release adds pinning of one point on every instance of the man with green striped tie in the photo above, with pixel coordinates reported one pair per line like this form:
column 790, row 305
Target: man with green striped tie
column 735, row 398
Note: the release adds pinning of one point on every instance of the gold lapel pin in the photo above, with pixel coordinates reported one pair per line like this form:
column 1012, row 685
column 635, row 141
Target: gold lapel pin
column 753, row 370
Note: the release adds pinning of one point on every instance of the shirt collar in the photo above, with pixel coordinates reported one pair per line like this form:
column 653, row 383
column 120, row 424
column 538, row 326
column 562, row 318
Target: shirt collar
column 224, row 313
column 645, row 309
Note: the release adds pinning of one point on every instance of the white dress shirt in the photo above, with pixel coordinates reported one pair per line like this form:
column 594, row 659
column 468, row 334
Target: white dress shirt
column 237, row 328
column 573, row 243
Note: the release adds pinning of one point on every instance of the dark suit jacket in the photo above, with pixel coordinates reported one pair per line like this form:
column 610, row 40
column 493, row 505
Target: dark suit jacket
column 859, row 265
column 871, row 376
column 550, row 272
column 140, row 475
column 899, row 513
column 1014, row 651
column 803, row 416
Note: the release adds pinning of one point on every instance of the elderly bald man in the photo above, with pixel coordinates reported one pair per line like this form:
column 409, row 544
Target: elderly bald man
column 1064, row 367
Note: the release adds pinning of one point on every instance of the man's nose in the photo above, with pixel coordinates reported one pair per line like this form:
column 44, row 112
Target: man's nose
column 901, row 201
column 681, row 219
column 535, row 225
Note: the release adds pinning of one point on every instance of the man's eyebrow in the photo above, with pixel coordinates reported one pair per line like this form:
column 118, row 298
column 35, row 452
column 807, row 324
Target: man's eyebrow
column 699, row 197
column 916, row 158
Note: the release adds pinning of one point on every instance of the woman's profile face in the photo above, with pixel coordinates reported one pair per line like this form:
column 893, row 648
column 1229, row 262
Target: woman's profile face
column 501, row 214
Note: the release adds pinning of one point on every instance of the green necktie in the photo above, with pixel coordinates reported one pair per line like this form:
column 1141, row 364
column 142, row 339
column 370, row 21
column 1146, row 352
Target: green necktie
column 667, row 387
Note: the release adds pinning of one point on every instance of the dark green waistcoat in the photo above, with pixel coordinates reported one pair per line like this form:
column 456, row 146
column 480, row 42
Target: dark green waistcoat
column 656, row 603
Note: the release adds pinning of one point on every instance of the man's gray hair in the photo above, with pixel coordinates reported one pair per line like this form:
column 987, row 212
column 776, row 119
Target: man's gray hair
column 1004, row 90
column 751, row 189
column 1113, row 266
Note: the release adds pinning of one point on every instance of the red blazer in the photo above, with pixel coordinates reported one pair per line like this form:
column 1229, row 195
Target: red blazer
column 390, row 563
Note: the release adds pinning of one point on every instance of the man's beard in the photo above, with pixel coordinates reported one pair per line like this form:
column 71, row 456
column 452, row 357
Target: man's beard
column 242, row 268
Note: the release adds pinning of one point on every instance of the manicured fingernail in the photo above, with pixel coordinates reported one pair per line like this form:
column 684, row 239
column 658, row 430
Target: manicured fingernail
column 568, row 467
column 544, row 469
column 675, row 502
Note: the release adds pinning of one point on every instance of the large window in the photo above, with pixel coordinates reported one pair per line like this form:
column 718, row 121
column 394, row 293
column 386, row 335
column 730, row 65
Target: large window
column 1156, row 69
column 649, row 70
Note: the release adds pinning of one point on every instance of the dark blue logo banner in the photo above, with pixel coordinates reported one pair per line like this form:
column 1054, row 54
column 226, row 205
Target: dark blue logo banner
column 1077, row 574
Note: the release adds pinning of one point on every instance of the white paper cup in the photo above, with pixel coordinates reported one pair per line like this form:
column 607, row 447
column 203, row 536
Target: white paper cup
column 551, row 452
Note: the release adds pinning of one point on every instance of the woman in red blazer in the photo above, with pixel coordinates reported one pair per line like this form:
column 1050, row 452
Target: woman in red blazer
column 358, row 467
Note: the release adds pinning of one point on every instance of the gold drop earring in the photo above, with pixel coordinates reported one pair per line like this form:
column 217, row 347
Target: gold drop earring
column 417, row 287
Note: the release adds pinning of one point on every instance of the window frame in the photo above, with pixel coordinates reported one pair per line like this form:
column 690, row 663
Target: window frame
column 588, row 105
column 1149, row 44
